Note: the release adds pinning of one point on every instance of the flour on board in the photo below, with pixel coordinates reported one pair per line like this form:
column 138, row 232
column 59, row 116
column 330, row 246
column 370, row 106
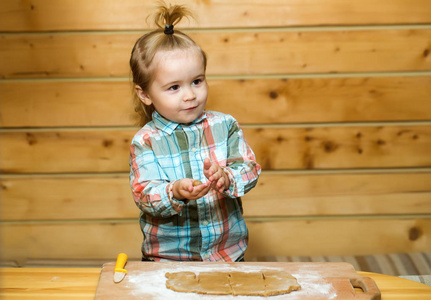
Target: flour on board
column 153, row 283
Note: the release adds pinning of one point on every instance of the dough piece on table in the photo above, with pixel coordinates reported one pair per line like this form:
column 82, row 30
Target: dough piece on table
column 279, row 282
column 188, row 275
column 185, row 282
column 247, row 284
column 214, row 283
column 265, row 283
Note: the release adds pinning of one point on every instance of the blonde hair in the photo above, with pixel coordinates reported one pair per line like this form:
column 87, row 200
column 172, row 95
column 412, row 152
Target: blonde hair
column 149, row 44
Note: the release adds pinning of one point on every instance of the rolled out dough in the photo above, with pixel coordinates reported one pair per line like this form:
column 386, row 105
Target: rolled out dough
column 263, row 283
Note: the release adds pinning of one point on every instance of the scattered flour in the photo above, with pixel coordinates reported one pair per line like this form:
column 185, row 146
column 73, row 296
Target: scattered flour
column 153, row 283
column 55, row 278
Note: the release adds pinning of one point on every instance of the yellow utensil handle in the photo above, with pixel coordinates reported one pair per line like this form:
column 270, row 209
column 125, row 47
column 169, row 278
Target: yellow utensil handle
column 121, row 262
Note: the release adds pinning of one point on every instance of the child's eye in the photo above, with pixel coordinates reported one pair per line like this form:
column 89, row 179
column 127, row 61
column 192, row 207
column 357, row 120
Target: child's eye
column 197, row 81
column 174, row 87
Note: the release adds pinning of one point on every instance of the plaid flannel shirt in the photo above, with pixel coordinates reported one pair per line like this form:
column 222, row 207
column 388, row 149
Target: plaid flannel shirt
column 211, row 228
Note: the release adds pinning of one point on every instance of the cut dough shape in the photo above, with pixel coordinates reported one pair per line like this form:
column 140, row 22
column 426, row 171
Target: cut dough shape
column 279, row 282
column 247, row 284
column 263, row 283
column 182, row 282
column 214, row 283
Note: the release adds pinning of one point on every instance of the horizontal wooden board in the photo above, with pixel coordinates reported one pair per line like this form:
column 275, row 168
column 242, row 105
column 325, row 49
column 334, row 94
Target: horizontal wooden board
column 276, row 194
column 250, row 101
column 70, row 240
column 72, row 283
column 339, row 237
column 289, row 237
column 130, row 14
column 276, row 148
column 62, row 104
column 66, row 151
column 230, row 53
column 67, row 198
column 341, row 147
column 305, row 100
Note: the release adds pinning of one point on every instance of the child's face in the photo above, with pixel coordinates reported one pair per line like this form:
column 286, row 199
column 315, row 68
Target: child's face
column 179, row 89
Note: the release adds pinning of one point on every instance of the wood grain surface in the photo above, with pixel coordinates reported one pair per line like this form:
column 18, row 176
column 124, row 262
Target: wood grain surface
column 333, row 97
column 278, row 194
column 104, row 239
column 276, row 148
column 81, row 283
column 317, row 280
column 250, row 101
column 43, row 15
column 229, row 53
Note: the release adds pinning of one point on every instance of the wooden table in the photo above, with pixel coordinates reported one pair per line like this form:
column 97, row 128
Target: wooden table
column 81, row 283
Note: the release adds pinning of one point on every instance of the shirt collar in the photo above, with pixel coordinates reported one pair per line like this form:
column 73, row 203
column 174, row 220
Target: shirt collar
column 169, row 126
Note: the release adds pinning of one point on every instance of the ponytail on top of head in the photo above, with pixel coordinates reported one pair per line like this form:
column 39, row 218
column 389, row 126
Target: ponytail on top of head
column 165, row 38
column 170, row 15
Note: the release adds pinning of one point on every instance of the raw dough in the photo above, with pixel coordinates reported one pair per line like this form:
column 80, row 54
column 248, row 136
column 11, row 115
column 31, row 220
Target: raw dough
column 264, row 283
column 250, row 284
column 197, row 182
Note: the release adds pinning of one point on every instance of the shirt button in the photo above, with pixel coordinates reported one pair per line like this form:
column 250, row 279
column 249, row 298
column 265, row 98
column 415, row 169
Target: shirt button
column 205, row 222
column 194, row 149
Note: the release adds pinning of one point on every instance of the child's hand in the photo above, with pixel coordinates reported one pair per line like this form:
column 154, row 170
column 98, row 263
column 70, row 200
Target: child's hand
column 216, row 177
column 184, row 189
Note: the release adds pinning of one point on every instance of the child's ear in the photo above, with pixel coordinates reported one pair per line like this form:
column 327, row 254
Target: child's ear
column 143, row 96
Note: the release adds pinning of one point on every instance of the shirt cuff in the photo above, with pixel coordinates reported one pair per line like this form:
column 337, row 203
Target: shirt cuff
column 231, row 191
column 176, row 204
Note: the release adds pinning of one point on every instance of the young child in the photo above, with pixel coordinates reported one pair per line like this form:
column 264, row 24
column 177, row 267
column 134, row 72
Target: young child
column 181, row 144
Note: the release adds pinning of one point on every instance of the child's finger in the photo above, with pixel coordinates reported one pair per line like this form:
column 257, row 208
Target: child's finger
column 200, row 191
column 207, row 167
column 221, row 185
column 198, row 188
column 207, row 163
column 189, row 186
column 213, row 185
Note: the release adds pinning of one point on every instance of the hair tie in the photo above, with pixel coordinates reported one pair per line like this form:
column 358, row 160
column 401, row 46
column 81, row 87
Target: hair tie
column 169, row 29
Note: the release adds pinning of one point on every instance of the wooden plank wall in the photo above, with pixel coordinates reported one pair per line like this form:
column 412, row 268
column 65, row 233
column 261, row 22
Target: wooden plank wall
column 334, row 98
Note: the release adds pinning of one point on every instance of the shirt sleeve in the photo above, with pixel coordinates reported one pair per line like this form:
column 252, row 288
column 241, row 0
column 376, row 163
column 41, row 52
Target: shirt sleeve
column 241, row 167
column 151, row 188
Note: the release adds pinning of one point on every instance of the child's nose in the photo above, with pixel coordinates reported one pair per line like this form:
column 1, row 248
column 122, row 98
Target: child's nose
column 189, row 95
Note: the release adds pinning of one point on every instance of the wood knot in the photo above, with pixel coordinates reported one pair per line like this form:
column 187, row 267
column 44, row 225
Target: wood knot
column 414, row 233
column 273, row 95
column 31, row 139
column 107, row 143
column 381, row 142
column 330, row 146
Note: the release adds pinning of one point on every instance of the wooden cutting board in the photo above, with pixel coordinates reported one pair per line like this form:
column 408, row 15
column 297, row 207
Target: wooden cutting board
column 146, row 280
